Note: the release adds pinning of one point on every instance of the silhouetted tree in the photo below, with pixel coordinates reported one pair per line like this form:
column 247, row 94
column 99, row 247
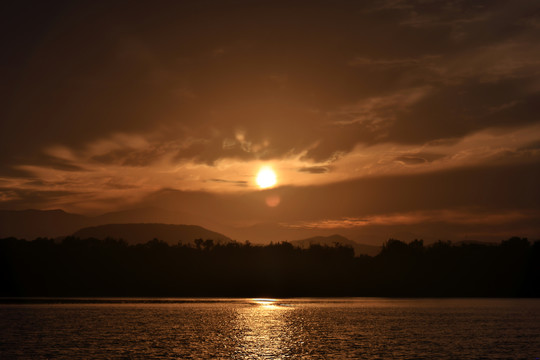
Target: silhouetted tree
column 198, row 243
column 91, row 267
column 208, row 244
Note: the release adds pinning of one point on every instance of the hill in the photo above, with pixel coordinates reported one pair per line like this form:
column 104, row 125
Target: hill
column 142, row 233
column 30, row 224
column 359, row 249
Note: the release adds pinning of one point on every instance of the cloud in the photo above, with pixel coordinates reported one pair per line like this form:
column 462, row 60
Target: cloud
column 411, row 160
column 377, row 113
column 454, row 216
column 493, row 63
column 26, row 198
column 382, row 64
column 509, row 59
column 234, row 182
column 244, row 77
column 131, row 172
column 315, row 169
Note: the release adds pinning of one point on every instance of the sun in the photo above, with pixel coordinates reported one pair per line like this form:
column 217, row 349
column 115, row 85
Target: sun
column 266, row 177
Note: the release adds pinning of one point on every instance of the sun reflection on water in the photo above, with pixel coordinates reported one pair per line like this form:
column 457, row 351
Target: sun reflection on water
column 263, row 331
column 265, row 302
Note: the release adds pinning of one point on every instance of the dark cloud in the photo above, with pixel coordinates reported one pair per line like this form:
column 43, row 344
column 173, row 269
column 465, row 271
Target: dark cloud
column 315, row 169
column 60, row 164
column 128, row 157
column 533, row 146
column 21, row 199
column 411, row 160
column 456, row 111
column 233, row 182
column 88, row 70
column 420, row 158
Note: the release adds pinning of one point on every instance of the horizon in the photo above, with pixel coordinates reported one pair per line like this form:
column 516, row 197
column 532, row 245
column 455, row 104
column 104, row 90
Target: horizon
column 31, row 228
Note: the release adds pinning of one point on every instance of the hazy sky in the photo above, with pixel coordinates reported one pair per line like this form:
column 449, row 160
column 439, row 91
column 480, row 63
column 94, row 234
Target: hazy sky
column 423, row 114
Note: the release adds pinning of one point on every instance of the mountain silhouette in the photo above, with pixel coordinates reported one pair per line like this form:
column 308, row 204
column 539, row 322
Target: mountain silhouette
column 359, row 249
column 30, row 224
column 142, row 233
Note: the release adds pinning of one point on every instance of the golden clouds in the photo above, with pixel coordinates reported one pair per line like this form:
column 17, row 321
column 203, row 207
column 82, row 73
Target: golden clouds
column 125, row 167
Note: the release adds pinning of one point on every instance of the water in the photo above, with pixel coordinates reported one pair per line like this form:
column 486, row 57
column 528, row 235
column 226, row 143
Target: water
column 267, row 329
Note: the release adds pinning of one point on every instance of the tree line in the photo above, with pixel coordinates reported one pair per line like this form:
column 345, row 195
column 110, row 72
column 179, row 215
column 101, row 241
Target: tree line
column 112, row 268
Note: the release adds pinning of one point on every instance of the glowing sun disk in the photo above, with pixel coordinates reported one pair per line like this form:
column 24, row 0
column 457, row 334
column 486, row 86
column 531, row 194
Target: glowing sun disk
column 266, row 177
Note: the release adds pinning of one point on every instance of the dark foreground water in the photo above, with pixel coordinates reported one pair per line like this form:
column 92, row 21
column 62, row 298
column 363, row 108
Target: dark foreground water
column 280, row 329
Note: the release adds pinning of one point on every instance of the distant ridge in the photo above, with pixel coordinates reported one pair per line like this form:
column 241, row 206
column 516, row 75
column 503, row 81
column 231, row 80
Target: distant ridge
column 153, row 215
column 359, row 249
column 142, row 233
column 30, row 224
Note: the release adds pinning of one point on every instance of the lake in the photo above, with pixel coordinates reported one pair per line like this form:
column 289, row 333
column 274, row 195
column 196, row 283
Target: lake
column 361, row 328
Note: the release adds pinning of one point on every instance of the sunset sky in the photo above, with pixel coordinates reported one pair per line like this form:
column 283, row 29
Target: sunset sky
column 378, row 118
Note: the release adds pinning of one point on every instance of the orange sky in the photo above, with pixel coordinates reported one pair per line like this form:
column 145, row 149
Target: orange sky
column 380, row 118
